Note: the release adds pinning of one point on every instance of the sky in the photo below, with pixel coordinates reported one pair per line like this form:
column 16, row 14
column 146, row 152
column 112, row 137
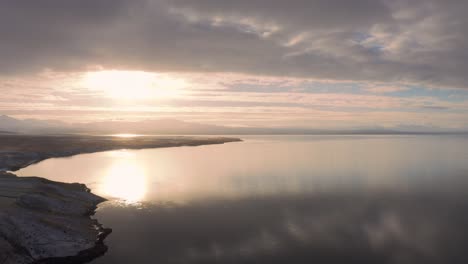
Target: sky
column 328, row 64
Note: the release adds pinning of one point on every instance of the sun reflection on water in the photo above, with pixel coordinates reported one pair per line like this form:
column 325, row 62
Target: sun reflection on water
column 125, row 180
column 126, row 135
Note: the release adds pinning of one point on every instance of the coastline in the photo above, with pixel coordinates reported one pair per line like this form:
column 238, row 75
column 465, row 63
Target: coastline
column 19, row 151
column 43, row 221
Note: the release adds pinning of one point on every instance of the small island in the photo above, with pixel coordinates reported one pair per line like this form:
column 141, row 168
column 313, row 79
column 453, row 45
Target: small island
column 42, row 221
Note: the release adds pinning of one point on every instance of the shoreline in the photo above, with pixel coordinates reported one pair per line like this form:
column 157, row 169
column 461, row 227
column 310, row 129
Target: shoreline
column 49, row 221
column 19, row 151
column 43, row 221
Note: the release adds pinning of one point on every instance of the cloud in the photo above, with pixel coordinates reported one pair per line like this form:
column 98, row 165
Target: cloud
column 385, row 89
column 240, row 100
column 314, row 63
column 406, row 41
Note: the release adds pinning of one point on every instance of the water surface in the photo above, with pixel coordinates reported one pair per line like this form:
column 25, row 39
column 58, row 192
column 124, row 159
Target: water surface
column 281, row 199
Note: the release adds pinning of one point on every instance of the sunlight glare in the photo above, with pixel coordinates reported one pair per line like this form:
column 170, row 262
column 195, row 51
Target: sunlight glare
column 125, row 180
column 133, row 85
column 126, row 135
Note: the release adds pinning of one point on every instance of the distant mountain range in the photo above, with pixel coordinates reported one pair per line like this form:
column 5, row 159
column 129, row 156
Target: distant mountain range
column 175, row 127
column 165, row 126
column 32, row 126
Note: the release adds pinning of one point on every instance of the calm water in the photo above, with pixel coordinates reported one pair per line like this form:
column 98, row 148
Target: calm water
column 281, row 199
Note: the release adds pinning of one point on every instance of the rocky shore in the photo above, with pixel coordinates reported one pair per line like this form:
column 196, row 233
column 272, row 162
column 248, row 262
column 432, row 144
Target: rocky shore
column 42, row 221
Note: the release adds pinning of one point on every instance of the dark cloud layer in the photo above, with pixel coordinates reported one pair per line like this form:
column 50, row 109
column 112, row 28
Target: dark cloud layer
column 389, row 40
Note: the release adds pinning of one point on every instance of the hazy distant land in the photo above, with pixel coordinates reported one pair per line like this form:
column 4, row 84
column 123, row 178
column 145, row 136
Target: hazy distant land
column 177, row 127
column 43, row 221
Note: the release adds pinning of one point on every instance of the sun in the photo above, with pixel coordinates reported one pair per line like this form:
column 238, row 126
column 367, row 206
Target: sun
column 133, row 85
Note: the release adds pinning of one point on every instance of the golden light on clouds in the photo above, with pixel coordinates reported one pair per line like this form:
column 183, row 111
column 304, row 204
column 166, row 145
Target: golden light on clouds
column 133, row 85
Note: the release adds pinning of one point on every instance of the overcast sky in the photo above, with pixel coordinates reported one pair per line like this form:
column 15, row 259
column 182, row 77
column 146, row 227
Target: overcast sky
column 296, row 63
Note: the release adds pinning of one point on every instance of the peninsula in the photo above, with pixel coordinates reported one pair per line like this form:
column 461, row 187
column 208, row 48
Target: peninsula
column 42, row 221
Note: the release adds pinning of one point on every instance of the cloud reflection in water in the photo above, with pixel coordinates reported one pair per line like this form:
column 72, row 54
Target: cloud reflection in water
column 392, row 227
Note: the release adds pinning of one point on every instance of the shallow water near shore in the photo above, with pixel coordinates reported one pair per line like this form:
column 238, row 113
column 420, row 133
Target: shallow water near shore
column 281, row 199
